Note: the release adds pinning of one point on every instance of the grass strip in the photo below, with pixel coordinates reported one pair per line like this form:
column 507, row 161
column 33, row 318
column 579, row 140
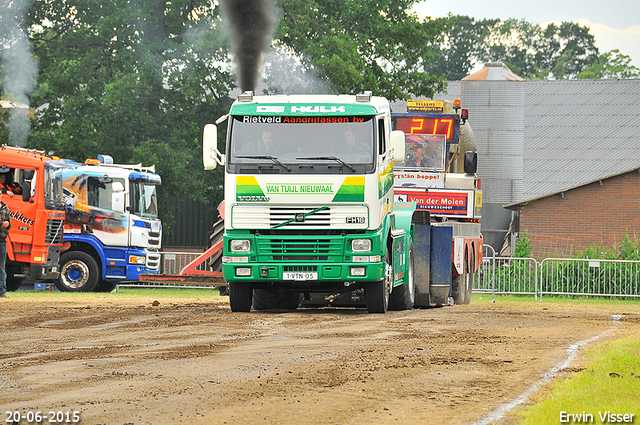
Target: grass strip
column 602, row 393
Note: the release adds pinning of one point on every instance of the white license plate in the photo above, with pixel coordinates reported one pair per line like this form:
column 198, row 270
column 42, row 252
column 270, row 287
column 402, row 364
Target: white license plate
column 300, row 276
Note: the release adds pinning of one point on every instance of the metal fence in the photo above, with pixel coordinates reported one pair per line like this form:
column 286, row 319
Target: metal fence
column 607, row 278
column 518, row 276
column 557, row 276
column 171, row 262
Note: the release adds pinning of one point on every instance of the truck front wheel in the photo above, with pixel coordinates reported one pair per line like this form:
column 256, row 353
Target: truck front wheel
column 78, row 272
column 14, row 283
column 240, row 296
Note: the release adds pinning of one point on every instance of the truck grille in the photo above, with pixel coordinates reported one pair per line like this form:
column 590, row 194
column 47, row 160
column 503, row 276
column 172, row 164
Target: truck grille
column 153, row 260
column 348, row 217
column 55, row 231
column 299, row 249
column 279, row 215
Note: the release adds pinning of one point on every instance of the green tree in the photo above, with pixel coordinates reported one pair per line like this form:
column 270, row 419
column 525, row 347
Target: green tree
column 133, row 79
column 455, row 55
column 532, row 52
column 352, row 46
column 611, row 64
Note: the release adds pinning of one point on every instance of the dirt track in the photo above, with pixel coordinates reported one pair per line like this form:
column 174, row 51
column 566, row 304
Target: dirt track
column 119, row 359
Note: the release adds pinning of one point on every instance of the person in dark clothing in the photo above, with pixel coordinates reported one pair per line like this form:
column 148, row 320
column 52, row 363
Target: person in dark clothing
column 5, row 225
column 5, row 186
column 351, row 145
column 417, row 158
column 264, row 146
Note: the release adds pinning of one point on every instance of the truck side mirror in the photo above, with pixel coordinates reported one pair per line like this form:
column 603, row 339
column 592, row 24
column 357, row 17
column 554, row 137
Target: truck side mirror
column 211, row 156
column 397, row 145
column 117, row 197
column 26, row 191
column 470, row 162
column 117, row 202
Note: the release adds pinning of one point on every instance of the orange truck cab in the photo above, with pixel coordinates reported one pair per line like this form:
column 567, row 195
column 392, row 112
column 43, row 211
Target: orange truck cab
column 37, row 215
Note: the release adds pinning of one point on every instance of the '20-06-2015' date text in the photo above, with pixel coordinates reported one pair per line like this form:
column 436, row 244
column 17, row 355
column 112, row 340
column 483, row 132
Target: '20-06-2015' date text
column 50, row 417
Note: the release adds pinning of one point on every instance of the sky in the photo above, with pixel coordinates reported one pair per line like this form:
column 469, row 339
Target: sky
column 615, row 24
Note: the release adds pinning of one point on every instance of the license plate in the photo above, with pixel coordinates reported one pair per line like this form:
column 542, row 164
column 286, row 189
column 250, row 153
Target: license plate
column 300, row 276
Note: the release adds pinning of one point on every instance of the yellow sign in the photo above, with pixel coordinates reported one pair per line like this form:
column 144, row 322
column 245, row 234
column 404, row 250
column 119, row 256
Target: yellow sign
column 425, row 105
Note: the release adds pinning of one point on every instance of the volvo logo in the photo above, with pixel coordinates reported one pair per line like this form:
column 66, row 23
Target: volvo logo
column 299, row 217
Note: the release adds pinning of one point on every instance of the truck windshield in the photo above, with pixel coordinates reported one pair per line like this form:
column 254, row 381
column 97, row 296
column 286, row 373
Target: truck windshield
column 144, row 200
column 53, row 189
column 424, row 152
column 301, row 145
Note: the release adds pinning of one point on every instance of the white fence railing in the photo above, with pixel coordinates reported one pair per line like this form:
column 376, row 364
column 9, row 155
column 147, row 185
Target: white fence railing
column 607, row 278
column 172, row 262
column 523, row 276
column 557, row 276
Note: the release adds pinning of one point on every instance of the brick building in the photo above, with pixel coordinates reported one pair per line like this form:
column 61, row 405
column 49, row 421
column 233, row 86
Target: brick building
column 596, row 214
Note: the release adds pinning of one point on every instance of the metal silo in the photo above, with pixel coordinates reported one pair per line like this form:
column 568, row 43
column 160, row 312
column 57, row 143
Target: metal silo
column 495, row 98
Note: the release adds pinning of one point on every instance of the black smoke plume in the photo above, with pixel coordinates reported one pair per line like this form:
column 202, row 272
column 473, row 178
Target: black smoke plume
column 250, row 25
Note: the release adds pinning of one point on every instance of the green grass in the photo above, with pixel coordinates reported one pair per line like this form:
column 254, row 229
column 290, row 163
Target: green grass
column 610, row 382
column 143, row 293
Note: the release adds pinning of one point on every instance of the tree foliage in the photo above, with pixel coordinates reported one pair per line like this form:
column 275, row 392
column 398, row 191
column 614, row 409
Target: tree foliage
column 351, row 46
column 612, row 64
column 556, row 51
column 454, row 56
column 133, row 79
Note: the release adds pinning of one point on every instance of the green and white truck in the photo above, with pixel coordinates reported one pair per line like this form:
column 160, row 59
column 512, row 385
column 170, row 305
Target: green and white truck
column 309, row 204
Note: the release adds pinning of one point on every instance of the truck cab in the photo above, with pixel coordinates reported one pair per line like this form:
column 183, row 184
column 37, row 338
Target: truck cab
column 37, row 216
column 309, row 200
column 112, row 232
column 438, row 176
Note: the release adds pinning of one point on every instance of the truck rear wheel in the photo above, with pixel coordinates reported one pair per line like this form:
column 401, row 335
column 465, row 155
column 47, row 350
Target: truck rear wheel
column 459, row 283
column 377, row 293
column 240, row 296
column 403, row 297
column 469, row 281
column 78, row 272
column 264, row 299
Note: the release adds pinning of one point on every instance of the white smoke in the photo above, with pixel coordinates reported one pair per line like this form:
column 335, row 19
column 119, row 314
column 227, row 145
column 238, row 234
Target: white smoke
column 285, row 74
column 19, row 68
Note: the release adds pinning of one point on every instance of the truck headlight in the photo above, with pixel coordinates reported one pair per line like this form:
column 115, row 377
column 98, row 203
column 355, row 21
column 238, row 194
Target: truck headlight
column 240, row 245
column 361, row 245
column 137, row 259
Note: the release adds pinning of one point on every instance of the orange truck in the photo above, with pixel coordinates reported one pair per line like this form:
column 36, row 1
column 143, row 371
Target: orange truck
column 37, row 215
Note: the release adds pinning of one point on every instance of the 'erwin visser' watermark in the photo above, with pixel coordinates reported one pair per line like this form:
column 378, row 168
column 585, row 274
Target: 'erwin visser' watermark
column 605, row 417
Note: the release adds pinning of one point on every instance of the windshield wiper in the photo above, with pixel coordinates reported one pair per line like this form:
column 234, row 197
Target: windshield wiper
column 329, row 158
column 272, row 158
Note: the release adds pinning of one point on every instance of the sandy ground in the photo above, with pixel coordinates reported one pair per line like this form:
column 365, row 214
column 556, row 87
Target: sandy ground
column 120, row 359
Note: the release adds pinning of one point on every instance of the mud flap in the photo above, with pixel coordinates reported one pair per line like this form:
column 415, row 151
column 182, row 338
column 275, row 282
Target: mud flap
column 421, row 262
column 441, row 259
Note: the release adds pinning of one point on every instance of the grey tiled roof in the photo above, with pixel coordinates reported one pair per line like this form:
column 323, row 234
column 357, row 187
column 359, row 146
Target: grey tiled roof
column 576, row 132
